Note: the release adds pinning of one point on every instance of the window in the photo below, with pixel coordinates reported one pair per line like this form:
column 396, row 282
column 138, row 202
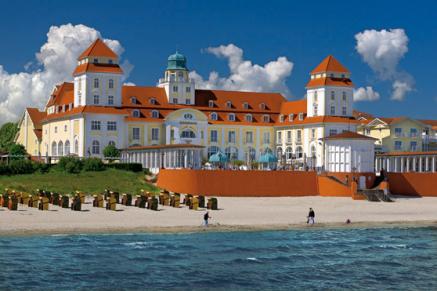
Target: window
column 315, row 96
column 95, row 61
column 76, row 146
column 96, row 99
column 413, row 146
column 298, row 136
column 231, row 136
column 299, row 153
column 231, row 153
column 413, row 132
column 228, row 104
column 175, row 88
column 398, row 145
column 266, row 137
column 248, row 117
column 67, row 147
column 110, row 100
column 95, row 125
column 188, row 133
column 288, row 153
column 210, row 103
column 313, row 133
column 398, row 132
column 136, row 113
column 291, row 117
column 136, row 133
column 213, row 116
column 313, row 152
column 249, row 137
column 332, row 95
column 155, row 134
column 288, row 136
column 281, row 118
column 155, row 114
column 110, row 62
column 212, row 151
column 152, row 101
column 188, row 89
column 188, row 116
column 344, row 96
column 133, row 100
column 262, row 106
column 245, row 105
column 111, row 143
column 301, row 116
column 111, row 84
column 188, row 101
column 175, row 100
column 231, row 117
column 213, row 135
column 332, row 132
column 279, row 135
column 65, row 128
column 60, row 149
column 343, row 110
column 111, row 126
column 315, row 109
column 95, row 148
column 96, row 83
column 332, row 110
column 266, row 118
column 54, row 149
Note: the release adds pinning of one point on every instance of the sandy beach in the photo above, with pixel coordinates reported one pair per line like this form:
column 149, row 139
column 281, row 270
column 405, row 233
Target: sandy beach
column 234, row 214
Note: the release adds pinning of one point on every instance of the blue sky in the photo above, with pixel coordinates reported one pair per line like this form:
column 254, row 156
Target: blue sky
column 304, row 32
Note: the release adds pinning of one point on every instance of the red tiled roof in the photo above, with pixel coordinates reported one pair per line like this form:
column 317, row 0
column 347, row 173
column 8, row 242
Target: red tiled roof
column 87, row 109
column 38, row 133
column 98, row 49
column 329, row 81
column 347, row 135
column 63, row 94
column 97, row 68
column 408, row 153
column 295, row 107
column 36, row 116
column 330, row 64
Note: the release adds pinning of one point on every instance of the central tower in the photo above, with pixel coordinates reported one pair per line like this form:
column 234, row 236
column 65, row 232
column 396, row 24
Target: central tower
column 176, row 82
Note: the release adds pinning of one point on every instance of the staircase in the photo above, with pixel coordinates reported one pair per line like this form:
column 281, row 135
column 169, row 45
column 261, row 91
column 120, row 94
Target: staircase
column 375, row 195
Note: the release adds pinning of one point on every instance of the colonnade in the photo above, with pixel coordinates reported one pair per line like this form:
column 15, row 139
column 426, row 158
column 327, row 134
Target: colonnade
column 406, row 163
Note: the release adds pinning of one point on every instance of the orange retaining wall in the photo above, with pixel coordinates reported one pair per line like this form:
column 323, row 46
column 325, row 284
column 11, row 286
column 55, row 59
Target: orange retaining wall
column 328, row 187
column 413, row 184
column 370, row 177
column 239, row 183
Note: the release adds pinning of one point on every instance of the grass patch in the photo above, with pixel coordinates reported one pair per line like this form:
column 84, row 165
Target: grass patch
column 88, row 182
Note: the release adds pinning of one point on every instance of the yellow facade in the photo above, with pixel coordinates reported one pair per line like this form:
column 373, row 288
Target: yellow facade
column 26, row 136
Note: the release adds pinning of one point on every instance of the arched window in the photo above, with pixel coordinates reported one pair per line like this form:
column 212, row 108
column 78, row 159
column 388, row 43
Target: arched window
column 299, row 152
column 231, row 153
column 76, row 146
column 111, row 84
column 228, row 104
column 188, row 133
column 95, row 147
column 111, row 143
column 231, row 117
column 313, row 151
column 251, row 154
column 133, row 100
column 152, row 101
column 155, row 114
column 96, row 83
column 136, row 113
column 67, row 147
column 249, row 117
column 212, row 150
column 60, row 148
column 213, row 116
column 279, row 152
column 54, row 149
column 262, row 106
column 288, row 153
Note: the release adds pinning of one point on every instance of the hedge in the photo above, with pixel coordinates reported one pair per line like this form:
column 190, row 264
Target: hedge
column 133, row 167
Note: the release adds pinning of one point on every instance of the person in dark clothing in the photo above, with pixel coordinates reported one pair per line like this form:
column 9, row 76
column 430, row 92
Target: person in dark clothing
column 311, row 216
column 206, row 217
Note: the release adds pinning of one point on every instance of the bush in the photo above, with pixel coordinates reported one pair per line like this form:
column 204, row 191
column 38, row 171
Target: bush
column 41, row 167
column 93, row 164
column 17, row 151
column 110, row 151
column 147, row 172
column 4, row 169
column 21, row 167
column 73, row 167
column 133, row 167
column 70, row 164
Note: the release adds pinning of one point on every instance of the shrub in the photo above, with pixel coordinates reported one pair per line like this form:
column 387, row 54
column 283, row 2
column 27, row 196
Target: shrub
column 93, row 164
column 70, row 164
column 110, row 151
column 4, row 169
column 133, row 167
column 41, row 167
column 21, row 167
column 147, row 172
column 17, row 151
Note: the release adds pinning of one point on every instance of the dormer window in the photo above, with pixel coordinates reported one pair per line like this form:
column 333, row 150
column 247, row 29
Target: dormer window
column 211, row 103
column 245, row 105
column 133, row 100
column 248, row 117
column 301, row 116
column 95, row 61
column 228, row 104
column 281, row 118
column 155, row 114
column 231, row 117
column 136, row 113
column 291, row 117
column 266, row 118
column 213, row 116
column 262, row 106
column 110, row 62
column 152, row 101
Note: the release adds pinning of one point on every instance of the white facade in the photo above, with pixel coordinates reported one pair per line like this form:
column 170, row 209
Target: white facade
column 349, row 155
column 330, row 101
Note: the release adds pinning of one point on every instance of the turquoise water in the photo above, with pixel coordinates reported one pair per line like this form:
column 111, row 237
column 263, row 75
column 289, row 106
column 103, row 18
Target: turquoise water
column 333, row 259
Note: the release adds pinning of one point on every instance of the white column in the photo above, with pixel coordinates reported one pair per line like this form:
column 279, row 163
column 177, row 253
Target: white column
column 388, row 164
column 426, row 164
column 420, row 163
column 396, row 164
column 185, row 158
column 433, row 164
column 402, row 164
column 408, row 164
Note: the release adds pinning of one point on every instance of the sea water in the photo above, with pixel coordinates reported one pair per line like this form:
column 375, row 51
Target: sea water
column 333, row 259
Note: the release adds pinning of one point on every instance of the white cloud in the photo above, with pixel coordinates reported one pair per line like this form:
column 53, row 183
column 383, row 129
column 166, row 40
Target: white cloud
column 382, row 50
column 54, row 64
column 365, row 94
column 244, row 75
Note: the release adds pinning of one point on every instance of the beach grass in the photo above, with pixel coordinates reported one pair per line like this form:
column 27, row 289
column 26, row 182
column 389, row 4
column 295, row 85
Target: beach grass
column 88, row 182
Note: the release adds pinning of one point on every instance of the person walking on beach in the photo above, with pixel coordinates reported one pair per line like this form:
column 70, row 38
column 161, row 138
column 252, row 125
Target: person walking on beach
column 206, row 217
column 311, row 216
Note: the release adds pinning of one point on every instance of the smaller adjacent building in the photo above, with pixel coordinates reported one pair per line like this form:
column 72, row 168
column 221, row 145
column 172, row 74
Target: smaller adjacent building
column 30, row 131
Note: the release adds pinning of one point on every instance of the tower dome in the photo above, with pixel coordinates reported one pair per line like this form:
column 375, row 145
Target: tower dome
column 177, row 61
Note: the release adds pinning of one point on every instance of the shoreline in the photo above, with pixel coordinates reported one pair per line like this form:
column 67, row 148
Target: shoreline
column 215, row 228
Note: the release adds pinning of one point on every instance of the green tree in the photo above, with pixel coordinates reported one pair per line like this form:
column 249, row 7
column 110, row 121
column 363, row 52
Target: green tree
column 7, row 135
column 18, row 151
column 110, row 152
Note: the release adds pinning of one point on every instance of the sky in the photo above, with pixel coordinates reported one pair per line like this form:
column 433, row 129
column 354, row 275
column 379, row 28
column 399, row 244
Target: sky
column 389, row 47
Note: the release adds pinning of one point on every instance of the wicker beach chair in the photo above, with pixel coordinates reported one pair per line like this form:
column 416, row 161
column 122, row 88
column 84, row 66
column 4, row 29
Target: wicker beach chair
column 33, row 201
column 24, row 198
column 43, row 203
column 126, row 199
column 201, row 201
column 141, row 201
column 13, row 202
column 212, row 204
column 98, row 201
column 4, row 199
column 54, row 198
column 76, row 204
column 194, row 205
column 111, row 203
